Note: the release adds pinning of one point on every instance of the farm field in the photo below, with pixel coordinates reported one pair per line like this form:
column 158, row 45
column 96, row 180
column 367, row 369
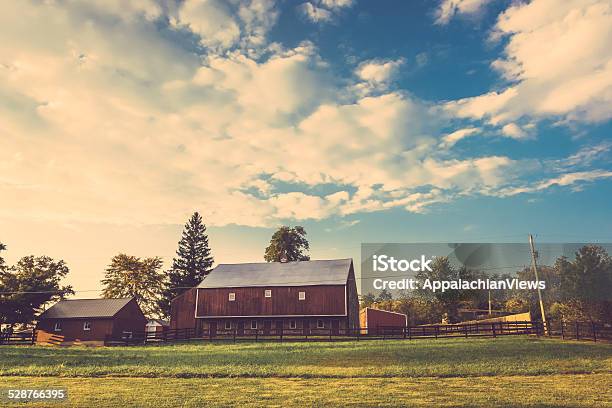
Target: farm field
column 510, row 371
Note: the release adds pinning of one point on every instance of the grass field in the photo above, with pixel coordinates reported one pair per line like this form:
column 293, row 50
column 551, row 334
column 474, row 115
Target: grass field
column 511, row 371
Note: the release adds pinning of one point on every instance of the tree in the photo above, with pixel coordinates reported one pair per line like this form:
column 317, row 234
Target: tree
column 192, row 263
column 526, row 300
column 367, row 300
column 28, row 286
column 586, row 283
column 384, row 295
column 130, row 276
column 2, row 265
column 288, row 244
column 443, row 270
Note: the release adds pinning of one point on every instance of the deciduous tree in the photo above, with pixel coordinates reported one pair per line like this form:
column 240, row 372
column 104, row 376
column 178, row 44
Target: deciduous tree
column 26, row 287
column 288, row 244
column 130, row 276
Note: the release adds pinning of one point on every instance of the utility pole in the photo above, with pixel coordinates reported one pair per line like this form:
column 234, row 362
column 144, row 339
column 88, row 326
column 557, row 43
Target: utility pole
column 534, row 265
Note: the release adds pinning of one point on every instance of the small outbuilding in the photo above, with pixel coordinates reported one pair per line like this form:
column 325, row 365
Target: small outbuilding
column 157, row 326
column 90, row 321
column 375, row 319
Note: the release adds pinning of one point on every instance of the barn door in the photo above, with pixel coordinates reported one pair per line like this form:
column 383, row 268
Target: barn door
column 335, row 327
column 306, row 327
column 212, row 327
column 267, row 327
column 279, row 327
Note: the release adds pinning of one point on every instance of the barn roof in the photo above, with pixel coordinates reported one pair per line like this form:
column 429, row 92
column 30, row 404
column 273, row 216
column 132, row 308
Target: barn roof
column 66, row 309
column 301, row 273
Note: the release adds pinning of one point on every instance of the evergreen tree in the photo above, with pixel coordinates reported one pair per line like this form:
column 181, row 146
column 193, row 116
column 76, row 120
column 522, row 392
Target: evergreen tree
column 192, row 263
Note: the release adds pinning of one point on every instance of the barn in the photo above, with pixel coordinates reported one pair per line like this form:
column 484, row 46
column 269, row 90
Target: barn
column 374, row 319
column 300, row 296
column 89, row 321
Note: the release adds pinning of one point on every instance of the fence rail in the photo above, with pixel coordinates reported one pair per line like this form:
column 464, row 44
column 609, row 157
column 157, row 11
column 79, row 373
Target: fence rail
column 580, row 331
column 563, row 330
column 23, row 338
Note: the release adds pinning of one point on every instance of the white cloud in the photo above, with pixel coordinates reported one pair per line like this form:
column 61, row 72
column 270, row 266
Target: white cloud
column 336, row 4
column 449, row 8
column 96, row 127
column 211, row 20
column 513, row 131
column 323, row 11
column 568, row 179
column 315, row 14
column 376, row 75
column 378, row 71
column 559, row 60
column 452, row 138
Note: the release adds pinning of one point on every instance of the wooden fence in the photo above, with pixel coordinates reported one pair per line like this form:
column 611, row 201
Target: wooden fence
column 22, row 338
column 563, row 330
column 580, row 331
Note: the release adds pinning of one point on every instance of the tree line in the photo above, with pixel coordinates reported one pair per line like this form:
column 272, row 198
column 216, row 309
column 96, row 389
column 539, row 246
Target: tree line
column 576, row 290
column 35, row 281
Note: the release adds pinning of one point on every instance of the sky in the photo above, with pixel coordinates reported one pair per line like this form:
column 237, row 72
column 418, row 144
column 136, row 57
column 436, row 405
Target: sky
column 363, row 121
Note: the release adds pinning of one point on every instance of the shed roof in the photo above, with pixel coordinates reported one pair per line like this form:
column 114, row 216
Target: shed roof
column 300, row 273
column 76, row 308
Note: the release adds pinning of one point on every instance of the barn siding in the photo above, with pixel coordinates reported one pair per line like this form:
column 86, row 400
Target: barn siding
column 130, row 318
column 182, row 310
column 250, row 301
column 374, row 318
column 72, row 329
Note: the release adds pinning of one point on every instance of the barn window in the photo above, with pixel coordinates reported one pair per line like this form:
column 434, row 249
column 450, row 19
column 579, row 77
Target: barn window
column 254, row 324
column 302, row 295
column 87, row 326
column 232, row 297
column 292, row 324
column 320, row 324
column 57, row 327
column 127, row 335
column 268, row 293
column 228, row 325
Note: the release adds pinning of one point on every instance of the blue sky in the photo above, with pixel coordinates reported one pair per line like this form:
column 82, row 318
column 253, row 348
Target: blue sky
column 386, row 121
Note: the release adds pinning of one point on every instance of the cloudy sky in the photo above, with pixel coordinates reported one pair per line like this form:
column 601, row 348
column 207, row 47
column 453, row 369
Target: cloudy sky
column 401, row 121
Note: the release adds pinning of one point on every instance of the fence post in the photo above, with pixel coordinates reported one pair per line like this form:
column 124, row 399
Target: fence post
column 404, row 333
column 235, row 331
column 493, row 329
column 562, row 330
column 577, row 331
column 281, row 334
column 437, row 329
column 594, row 332
column 330, row 334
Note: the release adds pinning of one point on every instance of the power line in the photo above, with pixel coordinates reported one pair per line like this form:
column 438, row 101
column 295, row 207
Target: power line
column 296, row 283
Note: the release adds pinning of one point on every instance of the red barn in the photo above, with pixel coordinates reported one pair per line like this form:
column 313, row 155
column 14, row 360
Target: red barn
column 270, row 296
column 89, row 321
column 373, row 319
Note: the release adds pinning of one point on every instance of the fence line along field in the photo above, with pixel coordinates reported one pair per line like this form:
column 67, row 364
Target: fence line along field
column 512, row 371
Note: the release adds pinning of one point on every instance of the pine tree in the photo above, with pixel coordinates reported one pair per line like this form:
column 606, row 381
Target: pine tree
column 192, row 263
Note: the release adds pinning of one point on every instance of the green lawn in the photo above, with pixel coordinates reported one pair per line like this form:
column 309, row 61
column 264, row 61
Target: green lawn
column 510, row 371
